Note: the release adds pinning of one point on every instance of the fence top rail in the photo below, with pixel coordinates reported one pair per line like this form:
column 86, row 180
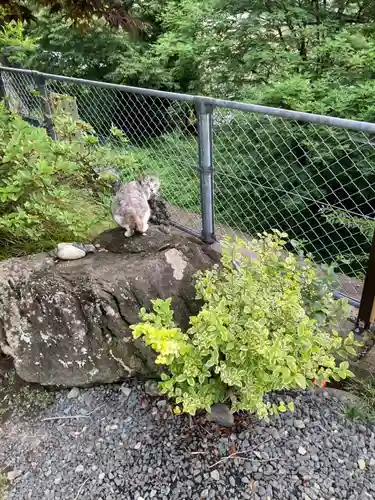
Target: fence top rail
column 218, row 103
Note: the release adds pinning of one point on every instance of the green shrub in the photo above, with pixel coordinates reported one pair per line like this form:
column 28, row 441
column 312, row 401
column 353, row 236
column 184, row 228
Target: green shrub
column 266, row 325
column 49, row 190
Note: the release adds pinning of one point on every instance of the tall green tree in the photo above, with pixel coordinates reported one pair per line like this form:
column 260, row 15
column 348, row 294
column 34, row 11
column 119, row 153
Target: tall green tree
column 68, row 49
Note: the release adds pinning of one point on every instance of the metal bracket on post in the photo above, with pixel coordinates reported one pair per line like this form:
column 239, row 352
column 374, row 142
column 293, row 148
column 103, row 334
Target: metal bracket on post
column 204, row 114
column 366, row 314
column 47, row 112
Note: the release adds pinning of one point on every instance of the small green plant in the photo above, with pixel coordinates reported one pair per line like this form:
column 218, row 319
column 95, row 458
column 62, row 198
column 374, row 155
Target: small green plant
column 364, row 409
column 265, row 325
column 4, row 485
column 359, row 413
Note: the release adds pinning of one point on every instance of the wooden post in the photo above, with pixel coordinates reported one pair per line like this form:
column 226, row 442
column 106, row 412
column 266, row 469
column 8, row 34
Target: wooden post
column 366, row 314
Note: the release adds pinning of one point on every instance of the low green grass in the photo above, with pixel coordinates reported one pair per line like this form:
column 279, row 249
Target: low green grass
column 4, row 485
column 363, row 411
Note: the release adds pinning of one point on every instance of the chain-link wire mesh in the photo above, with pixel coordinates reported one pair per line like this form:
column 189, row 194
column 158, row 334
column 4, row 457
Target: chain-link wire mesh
column 22, row 95
column 160, row 132
column 314, row 182
column 159, row 136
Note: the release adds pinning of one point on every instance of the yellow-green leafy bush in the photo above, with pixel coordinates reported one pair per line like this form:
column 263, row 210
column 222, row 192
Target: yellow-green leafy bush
column 265, row 326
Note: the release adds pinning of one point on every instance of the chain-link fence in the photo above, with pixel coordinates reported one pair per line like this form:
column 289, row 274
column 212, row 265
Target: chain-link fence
column 159, row 138
column 160, row 131
column 315, row 182
column 230, row 167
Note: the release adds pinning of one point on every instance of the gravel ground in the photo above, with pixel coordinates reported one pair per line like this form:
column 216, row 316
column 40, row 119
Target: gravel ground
column 126, row 445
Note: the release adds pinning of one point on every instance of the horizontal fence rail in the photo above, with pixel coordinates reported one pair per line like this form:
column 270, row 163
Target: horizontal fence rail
column 230, row 167
column 220, row 103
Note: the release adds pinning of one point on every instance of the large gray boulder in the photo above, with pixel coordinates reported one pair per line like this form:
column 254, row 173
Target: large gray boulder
column 67, row 323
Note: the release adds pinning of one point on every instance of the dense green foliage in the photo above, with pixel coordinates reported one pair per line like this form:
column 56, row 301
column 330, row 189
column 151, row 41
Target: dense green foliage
column 98, row 54
column 49, row 191
column 266, row 325
column 262, row 50
column 288, row 175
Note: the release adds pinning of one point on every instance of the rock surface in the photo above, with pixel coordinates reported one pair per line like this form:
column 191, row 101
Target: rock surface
column 221, row 415
column 365, row 366
column 152, row 388
column 67, row 323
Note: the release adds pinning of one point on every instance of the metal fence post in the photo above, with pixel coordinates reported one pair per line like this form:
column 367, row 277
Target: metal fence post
column 46, row 107
column 366, row 314
column 204, row 114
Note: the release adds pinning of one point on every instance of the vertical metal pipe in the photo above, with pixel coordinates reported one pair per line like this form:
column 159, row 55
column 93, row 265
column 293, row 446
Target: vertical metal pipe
column 204, row 113
column 46, row 108
column 366, row 314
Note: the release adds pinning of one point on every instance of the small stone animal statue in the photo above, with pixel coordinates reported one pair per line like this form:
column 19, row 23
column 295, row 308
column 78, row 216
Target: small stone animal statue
column 159, row 211
column 130, row 207
column 159, row 214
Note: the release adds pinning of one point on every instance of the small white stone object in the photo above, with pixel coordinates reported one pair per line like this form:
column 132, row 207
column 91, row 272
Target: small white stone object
column 361, row 464
column 215, row 475
column 138, row 446
column 13, row 474
column 67, row 251
column 372, row 462
column 80, row 468
column 125, row 390
column 64, row 245
column 302, row 450
column 73, row 393
column 299, row 424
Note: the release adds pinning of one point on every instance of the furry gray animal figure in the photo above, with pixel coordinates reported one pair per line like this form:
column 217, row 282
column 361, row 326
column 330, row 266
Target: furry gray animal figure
column 130, row 208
